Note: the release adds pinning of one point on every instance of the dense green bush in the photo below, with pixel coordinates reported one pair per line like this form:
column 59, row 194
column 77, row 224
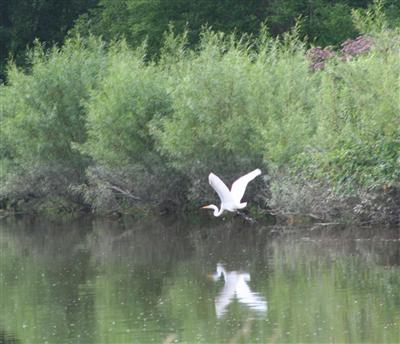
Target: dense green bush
column 358, row 136
column 209, row 127
column 236, row 105
column 43, row 114
column 132, row 94
column 42, row 117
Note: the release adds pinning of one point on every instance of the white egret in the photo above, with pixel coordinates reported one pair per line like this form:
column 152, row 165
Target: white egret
column 236, row 287
column 230, row 200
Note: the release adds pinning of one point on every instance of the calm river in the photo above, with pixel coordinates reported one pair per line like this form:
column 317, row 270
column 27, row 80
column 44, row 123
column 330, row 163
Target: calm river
column 159, row 281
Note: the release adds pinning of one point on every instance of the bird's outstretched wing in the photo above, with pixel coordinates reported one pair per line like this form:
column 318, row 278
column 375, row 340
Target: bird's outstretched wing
column 239, row 186
column 221, row 189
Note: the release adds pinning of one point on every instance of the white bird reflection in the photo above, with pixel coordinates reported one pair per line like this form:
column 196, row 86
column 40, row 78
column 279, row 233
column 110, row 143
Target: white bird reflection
column 236, row 287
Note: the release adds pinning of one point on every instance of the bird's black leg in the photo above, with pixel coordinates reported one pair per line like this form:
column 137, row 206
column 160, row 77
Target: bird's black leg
column 247, row 218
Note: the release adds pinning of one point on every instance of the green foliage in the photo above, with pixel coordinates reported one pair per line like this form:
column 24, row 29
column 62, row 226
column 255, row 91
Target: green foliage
column 141, row 19
column 234, row 107
column 43, row 114
column 228, row 106
column 371, row 20
column 131, row 94
column 209, row 125
column 23, row 21
column 358, row 118
column 324, row 22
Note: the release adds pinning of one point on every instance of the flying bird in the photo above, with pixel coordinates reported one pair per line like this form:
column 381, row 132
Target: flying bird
column 230, row 200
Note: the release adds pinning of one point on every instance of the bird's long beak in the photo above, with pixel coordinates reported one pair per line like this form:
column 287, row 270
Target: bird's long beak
column 204, row 207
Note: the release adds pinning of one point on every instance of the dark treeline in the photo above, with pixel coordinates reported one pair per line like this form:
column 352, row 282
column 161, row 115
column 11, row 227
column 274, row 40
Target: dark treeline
column 22, row 21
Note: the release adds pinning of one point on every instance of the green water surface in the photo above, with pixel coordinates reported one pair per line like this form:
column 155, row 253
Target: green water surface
column 157, row 281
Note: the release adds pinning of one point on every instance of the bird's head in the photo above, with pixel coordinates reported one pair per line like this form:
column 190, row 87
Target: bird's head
column 215, row 208
column 210, row 206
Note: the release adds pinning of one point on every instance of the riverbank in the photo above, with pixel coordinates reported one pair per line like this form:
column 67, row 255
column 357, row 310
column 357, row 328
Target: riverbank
column 289, row 204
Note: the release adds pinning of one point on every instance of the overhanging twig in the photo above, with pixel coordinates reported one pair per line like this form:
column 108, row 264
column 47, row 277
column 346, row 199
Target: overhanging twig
column 124, row 192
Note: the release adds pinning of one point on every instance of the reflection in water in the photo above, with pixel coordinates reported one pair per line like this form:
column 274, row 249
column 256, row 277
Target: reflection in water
column 235, row 286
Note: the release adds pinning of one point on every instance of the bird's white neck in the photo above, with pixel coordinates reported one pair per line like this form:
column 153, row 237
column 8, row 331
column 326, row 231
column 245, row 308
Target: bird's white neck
column 217, row 212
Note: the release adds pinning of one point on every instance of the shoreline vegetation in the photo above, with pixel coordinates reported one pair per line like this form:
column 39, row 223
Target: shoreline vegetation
column 103, row 128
